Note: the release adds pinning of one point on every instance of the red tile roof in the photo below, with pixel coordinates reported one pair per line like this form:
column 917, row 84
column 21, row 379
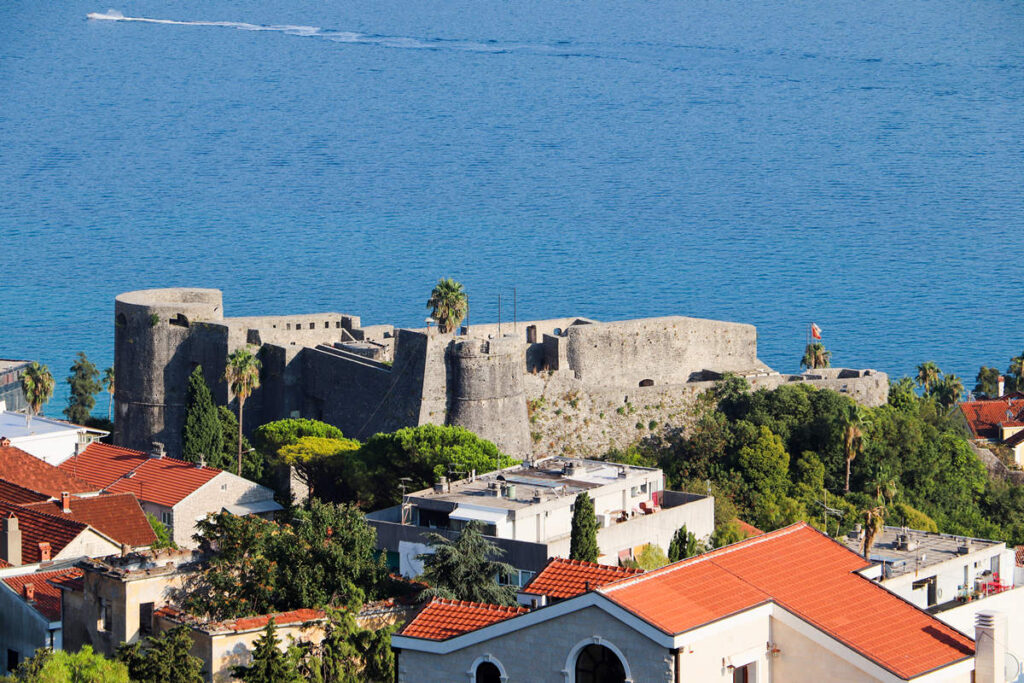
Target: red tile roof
column 748, row 529
column 13, row 493
column 809, row 575
column 984, row 417
column 116, row 515
column 164, row 481
column 1015, row 439
column 28, row 471
column 563, row 578
column 296, row 616
column 47, row 595
column 37, row 527
column 442, row 619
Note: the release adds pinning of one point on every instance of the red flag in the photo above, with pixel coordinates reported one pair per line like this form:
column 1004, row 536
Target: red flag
column 815, row 331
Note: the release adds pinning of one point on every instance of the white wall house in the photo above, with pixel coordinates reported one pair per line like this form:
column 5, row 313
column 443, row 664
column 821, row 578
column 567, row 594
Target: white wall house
column 52, row 441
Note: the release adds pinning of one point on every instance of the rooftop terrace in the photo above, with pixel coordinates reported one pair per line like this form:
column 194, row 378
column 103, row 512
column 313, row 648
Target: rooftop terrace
column 902, row 551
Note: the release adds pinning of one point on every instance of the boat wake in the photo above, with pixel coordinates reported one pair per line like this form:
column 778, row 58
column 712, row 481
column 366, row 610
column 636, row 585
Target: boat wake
column 335, row 36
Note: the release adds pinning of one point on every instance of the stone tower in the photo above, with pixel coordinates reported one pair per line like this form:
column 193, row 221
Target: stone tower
column 152, row 361
column 486, row 392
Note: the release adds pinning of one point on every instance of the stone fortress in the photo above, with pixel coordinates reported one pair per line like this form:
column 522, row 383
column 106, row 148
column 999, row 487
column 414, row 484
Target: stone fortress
column 569, row 385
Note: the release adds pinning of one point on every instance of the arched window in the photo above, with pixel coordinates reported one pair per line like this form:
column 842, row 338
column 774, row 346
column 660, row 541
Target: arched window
column 180, row 320
column 487, row 672
column 598, row 664
column 647, row 382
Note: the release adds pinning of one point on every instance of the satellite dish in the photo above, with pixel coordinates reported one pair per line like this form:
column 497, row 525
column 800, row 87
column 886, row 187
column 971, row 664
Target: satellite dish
column 1012, row 668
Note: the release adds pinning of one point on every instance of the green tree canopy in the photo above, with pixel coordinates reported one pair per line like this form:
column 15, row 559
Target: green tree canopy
column 651, row 556
column 270, row 437
column 583, row 536
column 448, row 304
column 424, row 454
column 326, row 555
column 60, row 666
column 201, row 437
column 37, row 383
column 465, row 568
column 928, row 374
column 987, row 382
column 816, row 356
column 316, row 458
column 164, row 658
column 84, row 385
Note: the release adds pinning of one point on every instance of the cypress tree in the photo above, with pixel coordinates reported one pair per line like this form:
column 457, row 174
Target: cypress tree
column 269, row 664
column 583, row 541
column 202, row 433
column 684, row 544
column 85, row 384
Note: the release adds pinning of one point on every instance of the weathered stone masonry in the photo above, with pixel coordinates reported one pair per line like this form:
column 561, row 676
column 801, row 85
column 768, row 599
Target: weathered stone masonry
column 534, row 387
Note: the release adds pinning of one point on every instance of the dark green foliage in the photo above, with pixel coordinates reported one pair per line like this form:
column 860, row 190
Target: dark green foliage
column 163, row 534
column 84, row 381
column 84, row 666
column 902, row 395
column 104, row 424
column 202, row 436
column 684, row 544
column 164, row 658
column 987, row 382
column 583, row 538
column 270, row 437
column 269, row 664
column 464, row 568
column 325, row 556
column 316, row 460
column 424, row 454
column 349, row 654
column 253, row 465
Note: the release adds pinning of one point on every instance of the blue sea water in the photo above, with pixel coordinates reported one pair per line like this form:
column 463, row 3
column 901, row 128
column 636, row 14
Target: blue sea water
column 856, row 164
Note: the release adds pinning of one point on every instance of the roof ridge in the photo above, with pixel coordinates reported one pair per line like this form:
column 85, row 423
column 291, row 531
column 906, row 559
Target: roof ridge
column 477, row 605
column 706, row 557
column 64, row 520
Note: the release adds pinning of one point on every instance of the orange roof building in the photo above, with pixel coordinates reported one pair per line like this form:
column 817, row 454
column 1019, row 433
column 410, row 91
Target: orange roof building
column 30, row 603
column 786, row 606
column 118, row 515
column 176, row 492
column 563, row 578
column 997, row 420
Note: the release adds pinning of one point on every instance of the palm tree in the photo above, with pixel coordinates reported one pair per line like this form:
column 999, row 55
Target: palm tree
column 448, row 304
column 1016, row 372
column 949, row 390
column 816, row 356
column 927, row 374
column 874, row 523
column 37, row 383
column 243, row 376
column 108, row 382
column 853, row 437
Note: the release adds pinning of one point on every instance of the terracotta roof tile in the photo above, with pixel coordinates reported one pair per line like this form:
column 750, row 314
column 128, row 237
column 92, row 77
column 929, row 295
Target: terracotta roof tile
column 28, row 471
column 442, row 619
column 164, row 481
column 116, row 515
column 47, row 595
column 296, row 616
column 13, row 493
column 37, row 527
column 563, row 578
column 811, row 576
column 984, row 417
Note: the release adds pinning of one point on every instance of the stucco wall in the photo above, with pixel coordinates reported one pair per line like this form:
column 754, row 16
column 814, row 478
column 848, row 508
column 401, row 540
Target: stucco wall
column 224, row 489
column 87, row 544
column 741, row 640
column 539, row 653
column 800, row 659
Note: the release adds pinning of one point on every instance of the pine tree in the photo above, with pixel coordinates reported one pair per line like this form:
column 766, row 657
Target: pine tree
column 463, row 569
column 269, row 663
column 684, row 544
column 164, row 658
column 583, row 541
column 84, row 382
column 201, row 436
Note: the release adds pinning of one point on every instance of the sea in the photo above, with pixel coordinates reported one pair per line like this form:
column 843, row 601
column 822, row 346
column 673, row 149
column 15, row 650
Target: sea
column 858, row 165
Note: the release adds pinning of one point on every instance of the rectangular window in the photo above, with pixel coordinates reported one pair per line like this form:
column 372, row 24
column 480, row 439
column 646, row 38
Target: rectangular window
column 643, row 487
column 167, row 518
column 741, row 674
column 994, row 564
column 634, row 492
column 105, row 620
column 146, row 619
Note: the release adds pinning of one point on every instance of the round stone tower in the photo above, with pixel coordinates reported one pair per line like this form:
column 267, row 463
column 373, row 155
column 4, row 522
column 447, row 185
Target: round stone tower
column 487, row 394
column 152, row 329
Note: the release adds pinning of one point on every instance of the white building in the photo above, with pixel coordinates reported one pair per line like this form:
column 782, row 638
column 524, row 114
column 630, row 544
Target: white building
column 52, row 441
column 528, row 509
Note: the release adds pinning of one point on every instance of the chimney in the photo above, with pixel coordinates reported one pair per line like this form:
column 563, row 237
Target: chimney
column 65, row 502
column 44, row 551
column 202, row 462
column 157, row 451
column 1002, row 386
column 4, row 442
column 990, row 647
column 125, row 549
column 10, row 540
column 28, row 591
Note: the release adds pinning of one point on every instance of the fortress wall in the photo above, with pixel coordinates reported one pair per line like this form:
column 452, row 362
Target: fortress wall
column 487, row 392
column 152, row 361
column 566, row 418
column 293, row 330
column 664, row 350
